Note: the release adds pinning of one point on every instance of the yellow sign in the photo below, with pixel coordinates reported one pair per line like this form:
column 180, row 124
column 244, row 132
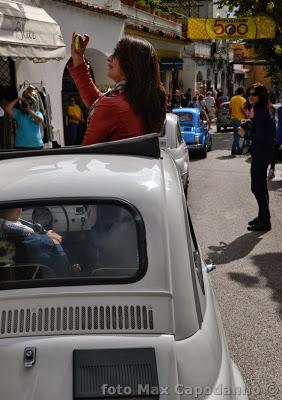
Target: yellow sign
column 231, row 28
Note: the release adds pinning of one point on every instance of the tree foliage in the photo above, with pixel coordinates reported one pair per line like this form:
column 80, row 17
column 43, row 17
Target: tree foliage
column 267, row 49
column 184, row 7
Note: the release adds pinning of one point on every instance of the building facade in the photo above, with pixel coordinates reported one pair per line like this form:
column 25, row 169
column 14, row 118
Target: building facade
column 105, row 22
column 104, row 26
column 198, row 65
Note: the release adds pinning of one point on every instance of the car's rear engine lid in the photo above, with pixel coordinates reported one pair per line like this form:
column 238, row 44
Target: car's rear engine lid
column 115, row 373
column 85, row 315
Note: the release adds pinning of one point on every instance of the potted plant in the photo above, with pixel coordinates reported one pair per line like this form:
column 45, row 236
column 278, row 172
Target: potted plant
column 153, row 5
column 141, row 4
column 128, row 2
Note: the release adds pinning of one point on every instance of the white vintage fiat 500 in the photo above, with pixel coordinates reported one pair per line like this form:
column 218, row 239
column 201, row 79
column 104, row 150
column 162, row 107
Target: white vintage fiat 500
column 103, row 291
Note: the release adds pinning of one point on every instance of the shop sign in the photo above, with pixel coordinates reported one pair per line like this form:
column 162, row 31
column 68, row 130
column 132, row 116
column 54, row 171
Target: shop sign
column 231, row 28
column 167, row 64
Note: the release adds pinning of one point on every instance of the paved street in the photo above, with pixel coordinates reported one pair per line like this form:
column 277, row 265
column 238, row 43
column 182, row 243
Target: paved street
column 247, row 281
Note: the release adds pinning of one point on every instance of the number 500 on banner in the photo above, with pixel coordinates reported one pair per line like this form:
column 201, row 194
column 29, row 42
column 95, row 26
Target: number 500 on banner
column 231, row 28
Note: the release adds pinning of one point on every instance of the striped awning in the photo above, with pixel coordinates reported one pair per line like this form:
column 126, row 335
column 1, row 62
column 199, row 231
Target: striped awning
column 29, row 32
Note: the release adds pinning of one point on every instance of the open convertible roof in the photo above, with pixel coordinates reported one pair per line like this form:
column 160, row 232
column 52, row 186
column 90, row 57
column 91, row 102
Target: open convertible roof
column 142, row 146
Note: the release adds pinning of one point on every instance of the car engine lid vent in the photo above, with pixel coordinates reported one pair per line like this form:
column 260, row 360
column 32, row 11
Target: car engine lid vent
column 115, row 374
column 76, row 319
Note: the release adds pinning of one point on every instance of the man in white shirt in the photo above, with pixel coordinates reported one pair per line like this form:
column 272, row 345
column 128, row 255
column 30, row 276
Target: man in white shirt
column 210, row 103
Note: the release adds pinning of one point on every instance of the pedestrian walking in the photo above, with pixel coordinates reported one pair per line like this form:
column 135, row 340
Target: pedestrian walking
column 178, row 98
column 249, row 114
column 223, row 98
column 276, row 144
column 263, row 130
column 188, row 96
column 28, row 133
column 202, row 103
column 75, row 118
column 237, row 113
column 210, row 103
column 193, row 103
column 137, row 103
column 218, row 99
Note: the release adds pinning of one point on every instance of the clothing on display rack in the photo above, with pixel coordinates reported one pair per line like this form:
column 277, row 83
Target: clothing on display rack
column 45, row 98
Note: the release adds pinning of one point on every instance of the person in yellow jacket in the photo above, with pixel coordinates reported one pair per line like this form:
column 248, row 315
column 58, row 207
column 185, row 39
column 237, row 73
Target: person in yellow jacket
column 75, row 118
column 237, row 113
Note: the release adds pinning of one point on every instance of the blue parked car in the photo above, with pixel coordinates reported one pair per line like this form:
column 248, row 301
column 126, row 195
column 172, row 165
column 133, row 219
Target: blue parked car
column 194, row 129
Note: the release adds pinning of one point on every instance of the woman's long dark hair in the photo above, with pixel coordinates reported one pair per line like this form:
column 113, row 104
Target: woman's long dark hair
column 143, row 89
column 263, row 97
column 262, row 94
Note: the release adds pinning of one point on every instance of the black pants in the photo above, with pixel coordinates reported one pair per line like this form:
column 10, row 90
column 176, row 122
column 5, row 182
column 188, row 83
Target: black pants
column 275, row 153
column 259, row 188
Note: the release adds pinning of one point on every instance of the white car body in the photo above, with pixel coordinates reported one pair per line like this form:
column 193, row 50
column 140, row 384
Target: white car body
column 170, row 309
column 172, row 140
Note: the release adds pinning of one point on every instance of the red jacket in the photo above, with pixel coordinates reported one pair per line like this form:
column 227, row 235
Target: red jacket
column 113, row 117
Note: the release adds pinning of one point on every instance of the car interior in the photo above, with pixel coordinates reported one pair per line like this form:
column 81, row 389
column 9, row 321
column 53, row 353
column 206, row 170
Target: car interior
column 70, row 241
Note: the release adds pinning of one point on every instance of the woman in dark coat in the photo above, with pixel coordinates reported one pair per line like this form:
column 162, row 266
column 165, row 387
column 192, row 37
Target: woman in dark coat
column 263, row 130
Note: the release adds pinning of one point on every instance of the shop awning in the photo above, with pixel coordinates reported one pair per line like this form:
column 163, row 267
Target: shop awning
column 29, row 32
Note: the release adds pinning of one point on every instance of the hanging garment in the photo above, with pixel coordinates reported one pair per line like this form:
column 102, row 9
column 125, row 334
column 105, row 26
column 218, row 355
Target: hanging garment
column 45, row 98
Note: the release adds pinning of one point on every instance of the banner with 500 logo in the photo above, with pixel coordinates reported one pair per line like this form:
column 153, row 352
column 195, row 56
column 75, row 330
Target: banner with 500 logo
column 231, row 28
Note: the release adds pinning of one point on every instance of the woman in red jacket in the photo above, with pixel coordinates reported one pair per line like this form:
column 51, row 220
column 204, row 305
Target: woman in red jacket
column 135, row 106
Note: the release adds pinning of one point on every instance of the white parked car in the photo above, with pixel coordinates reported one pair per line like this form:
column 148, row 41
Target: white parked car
column 121, row 308
column 172, row 140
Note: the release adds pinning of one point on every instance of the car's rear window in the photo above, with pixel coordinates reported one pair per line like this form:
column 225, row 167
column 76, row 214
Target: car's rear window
column 185, row 116
column 55, row 244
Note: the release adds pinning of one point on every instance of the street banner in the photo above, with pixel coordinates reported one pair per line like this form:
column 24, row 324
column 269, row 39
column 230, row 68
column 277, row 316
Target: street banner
column 231, row 28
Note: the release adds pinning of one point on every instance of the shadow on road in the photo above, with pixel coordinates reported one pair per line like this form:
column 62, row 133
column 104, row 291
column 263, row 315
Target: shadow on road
column 244, row 279
column 229, row 157
column 239, row 248
column 275, row 185
column 270, row 267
